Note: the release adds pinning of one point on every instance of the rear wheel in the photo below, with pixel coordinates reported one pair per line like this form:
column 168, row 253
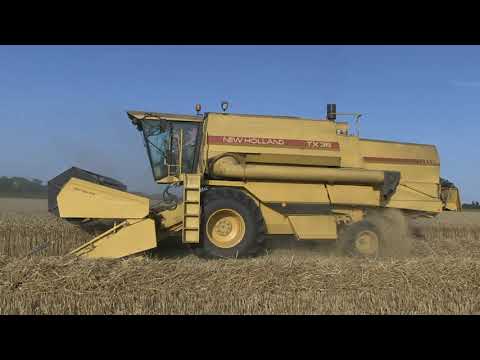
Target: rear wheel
column 380, row 234
column 231, row 225
column 361, row 239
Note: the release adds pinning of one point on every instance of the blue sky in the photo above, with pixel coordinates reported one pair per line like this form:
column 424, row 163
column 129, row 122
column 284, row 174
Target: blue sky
column 65, row 105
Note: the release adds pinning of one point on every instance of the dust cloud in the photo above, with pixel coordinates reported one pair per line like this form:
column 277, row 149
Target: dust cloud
column 396, row 230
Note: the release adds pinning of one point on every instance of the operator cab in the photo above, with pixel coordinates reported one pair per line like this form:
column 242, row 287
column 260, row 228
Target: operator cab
column 164, row 136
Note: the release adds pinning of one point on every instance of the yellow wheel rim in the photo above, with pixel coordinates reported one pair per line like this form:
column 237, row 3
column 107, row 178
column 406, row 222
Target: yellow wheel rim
column 366, row 243
column 225, row 228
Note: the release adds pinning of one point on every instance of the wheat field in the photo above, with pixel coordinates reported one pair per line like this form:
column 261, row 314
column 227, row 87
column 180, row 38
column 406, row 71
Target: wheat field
column 442, row 276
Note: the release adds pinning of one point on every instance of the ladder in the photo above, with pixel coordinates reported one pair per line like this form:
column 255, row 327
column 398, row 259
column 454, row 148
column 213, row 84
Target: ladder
column 191, row 208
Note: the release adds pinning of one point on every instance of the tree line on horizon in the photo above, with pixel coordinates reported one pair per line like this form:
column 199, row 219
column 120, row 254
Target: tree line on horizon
column 473, row 205
column 22, row 187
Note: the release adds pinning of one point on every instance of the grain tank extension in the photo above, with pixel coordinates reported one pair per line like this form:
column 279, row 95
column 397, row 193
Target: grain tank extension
column 248, row 176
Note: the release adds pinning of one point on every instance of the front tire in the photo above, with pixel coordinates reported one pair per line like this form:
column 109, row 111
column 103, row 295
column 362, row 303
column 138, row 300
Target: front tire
column 232, row 225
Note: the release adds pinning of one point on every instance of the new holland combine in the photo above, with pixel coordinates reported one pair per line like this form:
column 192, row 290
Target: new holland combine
column 244, row 177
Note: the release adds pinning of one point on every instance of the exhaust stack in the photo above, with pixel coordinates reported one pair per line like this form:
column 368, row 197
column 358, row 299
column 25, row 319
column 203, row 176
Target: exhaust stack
column 332, row 112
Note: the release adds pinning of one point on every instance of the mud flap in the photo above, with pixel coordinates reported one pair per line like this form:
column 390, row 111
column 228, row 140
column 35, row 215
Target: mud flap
column 132, row 236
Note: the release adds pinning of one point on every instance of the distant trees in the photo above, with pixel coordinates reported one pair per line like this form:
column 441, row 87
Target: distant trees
column 22, row 187
column 473, row 205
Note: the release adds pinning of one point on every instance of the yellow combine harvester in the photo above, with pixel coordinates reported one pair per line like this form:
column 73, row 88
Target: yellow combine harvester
column 247, row 176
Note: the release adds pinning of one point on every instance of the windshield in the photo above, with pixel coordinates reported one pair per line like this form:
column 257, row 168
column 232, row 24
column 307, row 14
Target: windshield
column 163, row 140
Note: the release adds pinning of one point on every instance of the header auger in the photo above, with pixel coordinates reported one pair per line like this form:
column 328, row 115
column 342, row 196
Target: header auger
column 248, row 176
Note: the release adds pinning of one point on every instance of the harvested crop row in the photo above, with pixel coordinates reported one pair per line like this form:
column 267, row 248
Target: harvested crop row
column 266, row 285
column 448, row 240
column 22, row 233
column 441, row 278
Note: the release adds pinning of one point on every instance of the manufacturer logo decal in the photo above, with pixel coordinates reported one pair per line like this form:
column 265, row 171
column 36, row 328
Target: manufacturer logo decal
column 273, row 142
column 84, row 191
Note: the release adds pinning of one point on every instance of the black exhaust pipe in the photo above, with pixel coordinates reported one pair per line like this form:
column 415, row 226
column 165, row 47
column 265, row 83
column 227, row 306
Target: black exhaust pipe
column 332, row 112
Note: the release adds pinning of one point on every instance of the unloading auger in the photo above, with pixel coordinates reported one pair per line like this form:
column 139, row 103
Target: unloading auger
column 248, row 176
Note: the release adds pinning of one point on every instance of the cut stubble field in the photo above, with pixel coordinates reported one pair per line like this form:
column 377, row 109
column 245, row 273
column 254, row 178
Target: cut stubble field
column 442, row 276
